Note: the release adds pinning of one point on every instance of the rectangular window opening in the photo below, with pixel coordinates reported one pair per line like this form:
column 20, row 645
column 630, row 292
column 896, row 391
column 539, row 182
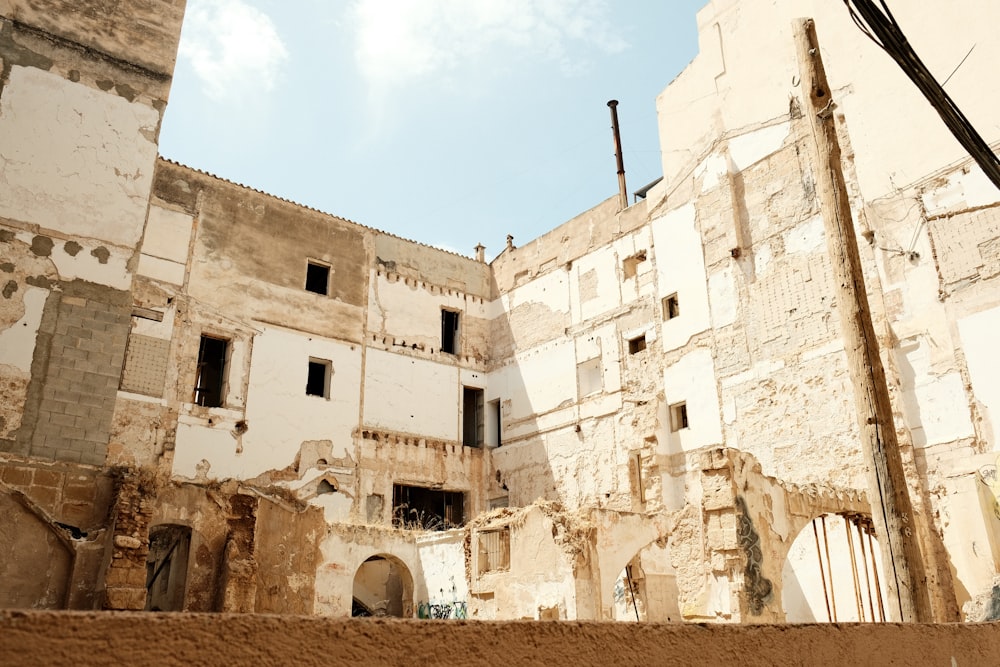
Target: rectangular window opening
column 449, row 331
column 678, row 416
column 495, row 419
column 637, row 344
column 671, row 307
column 211, row 375
column 419, row 508
column 473, row 417
column 630, row 265
column 493, row 550
column 590, row 379
column 318, row 380
column 317, row 278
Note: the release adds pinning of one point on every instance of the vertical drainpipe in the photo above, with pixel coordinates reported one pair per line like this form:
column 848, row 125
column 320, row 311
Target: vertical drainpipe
column 622, row 191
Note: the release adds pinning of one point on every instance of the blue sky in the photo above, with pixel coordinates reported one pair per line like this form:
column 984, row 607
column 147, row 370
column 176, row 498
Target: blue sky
column 449, row 122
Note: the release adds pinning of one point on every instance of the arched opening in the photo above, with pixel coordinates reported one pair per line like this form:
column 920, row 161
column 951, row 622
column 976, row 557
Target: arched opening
column 833, row 572
column 383, row 586
column 646, row 588
column 166, row 567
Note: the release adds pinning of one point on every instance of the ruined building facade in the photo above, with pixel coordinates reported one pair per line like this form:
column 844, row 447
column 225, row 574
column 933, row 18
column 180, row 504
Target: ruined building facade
column 212, row 399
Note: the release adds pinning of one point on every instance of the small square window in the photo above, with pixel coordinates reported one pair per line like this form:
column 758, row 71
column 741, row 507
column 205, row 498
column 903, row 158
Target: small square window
column 630, row 265
column 671, row 307
column 637, row 344
column 318, row 382
column 317, row 278
column 678, row 417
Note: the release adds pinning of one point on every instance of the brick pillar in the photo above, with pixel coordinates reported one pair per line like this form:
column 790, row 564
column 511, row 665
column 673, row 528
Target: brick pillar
column 125, row 580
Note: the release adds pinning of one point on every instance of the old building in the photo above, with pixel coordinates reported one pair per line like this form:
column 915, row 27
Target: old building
column 215, row 399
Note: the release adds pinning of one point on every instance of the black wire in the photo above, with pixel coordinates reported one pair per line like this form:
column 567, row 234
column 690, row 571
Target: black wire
column 879, row 25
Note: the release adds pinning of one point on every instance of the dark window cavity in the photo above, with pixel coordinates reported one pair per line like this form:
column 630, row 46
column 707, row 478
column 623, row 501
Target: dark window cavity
column 317, row 278
column 637, row 344
column 318, row 382
column 211, row 377
column 418, row 508
column 671, row 307
column 473, row 417
column 449, row 331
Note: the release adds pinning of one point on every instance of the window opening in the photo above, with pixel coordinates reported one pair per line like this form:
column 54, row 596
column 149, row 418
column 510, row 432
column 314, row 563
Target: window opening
column 637, row 344
column 494, row 550
column 495, row 418
column 318, row 381
column 671, row 307
column 472, row 417
column 630, row 265
column 449, row 331
column 211, row 376
column 419, row 508
column 317, row 278
column 589, row 377
column 678, row 416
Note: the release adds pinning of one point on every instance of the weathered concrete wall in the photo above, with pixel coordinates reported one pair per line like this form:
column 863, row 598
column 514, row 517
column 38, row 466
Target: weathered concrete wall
column 33, row 638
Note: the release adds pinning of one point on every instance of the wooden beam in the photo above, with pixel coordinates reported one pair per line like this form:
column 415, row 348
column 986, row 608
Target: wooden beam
column 891, row 507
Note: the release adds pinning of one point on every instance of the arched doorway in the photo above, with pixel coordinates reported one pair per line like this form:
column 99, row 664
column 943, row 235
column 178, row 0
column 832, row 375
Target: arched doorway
column 646, row 588
column 166, row 567
column 383, row 586
column 833, row 572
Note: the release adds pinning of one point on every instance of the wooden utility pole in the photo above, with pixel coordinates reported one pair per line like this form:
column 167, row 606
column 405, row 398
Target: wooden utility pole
column 892, row 511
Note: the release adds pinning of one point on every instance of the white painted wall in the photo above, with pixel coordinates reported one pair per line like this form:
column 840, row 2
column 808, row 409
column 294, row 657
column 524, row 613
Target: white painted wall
column 442, row 563
column 935, row 404
column 410, row 310
column 979, row 340
column 165, row 245
column 734, row 83
column 680, row 266
column 74, row 157
column 411, row 395
column 692, row 379
column 279, row 414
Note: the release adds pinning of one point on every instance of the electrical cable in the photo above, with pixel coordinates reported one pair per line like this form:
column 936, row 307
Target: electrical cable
column 876, row 21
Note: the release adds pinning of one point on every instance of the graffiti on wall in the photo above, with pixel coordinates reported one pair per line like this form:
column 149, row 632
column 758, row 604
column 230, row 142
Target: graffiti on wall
column 758, row 588
column 443, row 609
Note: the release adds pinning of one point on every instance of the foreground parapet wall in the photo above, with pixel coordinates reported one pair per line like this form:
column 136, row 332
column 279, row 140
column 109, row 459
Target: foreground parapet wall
column 88, row 638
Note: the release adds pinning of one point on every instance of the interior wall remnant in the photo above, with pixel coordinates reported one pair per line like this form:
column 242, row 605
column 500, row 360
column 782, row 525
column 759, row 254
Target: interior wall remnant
column 35, row 562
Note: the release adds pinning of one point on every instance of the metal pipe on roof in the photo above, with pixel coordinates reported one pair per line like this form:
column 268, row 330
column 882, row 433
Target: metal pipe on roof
column 622, row 190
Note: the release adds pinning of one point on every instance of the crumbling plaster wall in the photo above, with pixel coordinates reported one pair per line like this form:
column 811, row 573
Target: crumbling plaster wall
column 733, row 84
column 78, row 165
column 936, row 250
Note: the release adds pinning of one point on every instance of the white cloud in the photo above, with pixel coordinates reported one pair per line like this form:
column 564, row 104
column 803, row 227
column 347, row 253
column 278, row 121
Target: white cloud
column 403, row 40
column 234, row 48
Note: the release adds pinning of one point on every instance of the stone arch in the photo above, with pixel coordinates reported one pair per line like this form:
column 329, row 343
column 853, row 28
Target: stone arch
column 167, row 567
column 832, row 572
column 383, row 586
column 646, row 587
column 36, row 561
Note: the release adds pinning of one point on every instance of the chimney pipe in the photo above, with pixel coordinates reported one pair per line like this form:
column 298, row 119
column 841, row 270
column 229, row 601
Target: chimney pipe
column 622, row 190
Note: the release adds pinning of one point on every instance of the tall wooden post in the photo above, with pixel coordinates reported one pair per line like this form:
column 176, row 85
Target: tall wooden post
column 891, row 508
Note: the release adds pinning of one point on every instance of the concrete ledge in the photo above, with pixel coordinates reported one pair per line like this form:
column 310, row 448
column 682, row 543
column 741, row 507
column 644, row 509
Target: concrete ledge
column 102, row 638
